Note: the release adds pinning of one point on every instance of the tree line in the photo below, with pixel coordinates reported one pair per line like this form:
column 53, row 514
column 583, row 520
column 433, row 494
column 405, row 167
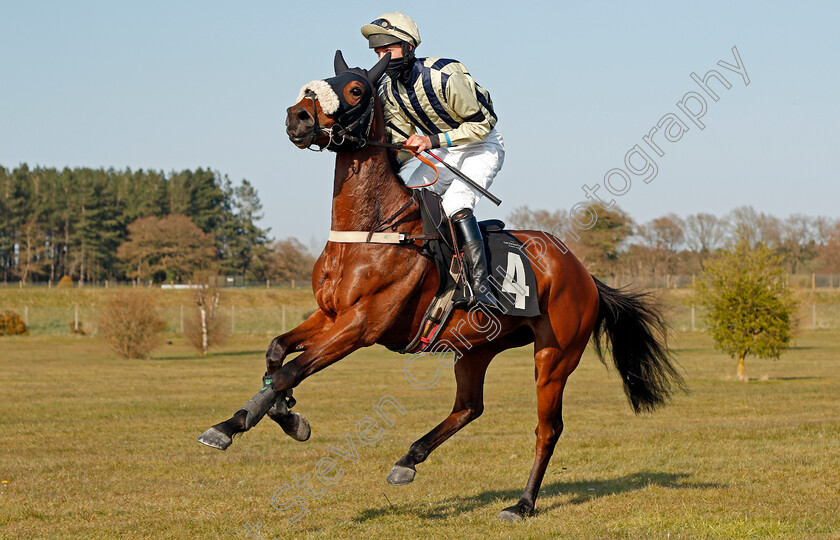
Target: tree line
column 96, row 224
column 669, row 245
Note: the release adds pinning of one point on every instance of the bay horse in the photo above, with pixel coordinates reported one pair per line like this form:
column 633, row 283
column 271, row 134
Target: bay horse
column 377, row 293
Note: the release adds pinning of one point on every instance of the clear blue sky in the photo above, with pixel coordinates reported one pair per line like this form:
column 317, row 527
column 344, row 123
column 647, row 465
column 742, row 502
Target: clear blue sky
column 175, row 85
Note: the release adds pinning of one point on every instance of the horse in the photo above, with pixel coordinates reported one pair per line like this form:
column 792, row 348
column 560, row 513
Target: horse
column 376, row 293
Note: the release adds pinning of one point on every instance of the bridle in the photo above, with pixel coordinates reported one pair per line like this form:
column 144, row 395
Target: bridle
column 339, row 136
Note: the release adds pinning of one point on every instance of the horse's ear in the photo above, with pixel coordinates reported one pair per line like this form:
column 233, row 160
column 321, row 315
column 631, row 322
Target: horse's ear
column 339, row 64
column 379, row 69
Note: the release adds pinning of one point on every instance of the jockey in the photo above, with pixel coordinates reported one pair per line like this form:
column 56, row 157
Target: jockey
column 439, row 97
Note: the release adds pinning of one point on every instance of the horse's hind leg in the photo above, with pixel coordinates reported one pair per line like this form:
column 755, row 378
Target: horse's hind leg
column 553, row 367
column 469, row 404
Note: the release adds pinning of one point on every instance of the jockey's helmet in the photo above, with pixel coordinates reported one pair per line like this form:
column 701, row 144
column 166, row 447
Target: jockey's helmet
column 391, row 28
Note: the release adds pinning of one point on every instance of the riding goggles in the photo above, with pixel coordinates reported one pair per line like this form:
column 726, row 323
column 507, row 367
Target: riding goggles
column 385, row 24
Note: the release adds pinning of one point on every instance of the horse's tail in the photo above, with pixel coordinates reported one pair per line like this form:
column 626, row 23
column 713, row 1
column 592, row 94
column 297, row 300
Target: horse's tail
column 636, row 333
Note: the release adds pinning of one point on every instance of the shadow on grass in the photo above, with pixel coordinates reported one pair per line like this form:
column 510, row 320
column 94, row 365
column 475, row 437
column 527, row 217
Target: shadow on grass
column 218, row 354
column 576, row 492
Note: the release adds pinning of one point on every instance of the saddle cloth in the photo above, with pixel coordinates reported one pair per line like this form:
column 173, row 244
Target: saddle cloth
column 512, row 279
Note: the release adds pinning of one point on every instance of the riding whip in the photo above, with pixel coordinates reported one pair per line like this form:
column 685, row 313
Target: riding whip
column 472, row 183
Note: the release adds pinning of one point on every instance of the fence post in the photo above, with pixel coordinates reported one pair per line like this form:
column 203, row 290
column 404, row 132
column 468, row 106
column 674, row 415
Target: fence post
column 813, row 281
column 284, row 319
column 692, row 317
column 26, row 316
column 267, row 284
column 182, row 319
column 76, row 318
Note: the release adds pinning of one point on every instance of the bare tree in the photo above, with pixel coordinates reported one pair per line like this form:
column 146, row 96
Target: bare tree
column 32, row 247
column 704, row 233
column 829, row 250
column 758, row 226
column 289, row 259
column 539, row 220
column 205, row 328
column 664, row 233
column 798, row 240
column 663, row 238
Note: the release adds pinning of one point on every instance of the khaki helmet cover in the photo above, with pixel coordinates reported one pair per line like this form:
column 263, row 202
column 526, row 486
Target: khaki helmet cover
column 391, row 28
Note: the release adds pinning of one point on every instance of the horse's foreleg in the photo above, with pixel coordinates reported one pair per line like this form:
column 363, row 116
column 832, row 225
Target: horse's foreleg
column 295, row 340
column 469, row 404
column 347, row 334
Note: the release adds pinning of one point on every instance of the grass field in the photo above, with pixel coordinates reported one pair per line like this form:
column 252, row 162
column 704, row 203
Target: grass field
column 96, row 447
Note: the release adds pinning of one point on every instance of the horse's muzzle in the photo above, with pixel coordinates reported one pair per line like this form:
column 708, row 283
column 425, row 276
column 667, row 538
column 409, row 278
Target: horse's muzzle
column 300, row 127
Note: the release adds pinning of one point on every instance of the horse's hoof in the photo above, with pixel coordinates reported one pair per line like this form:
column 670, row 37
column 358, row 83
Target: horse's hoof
column 297, row 427
column 510, row 514
column 401, row 476
column 517, row 512
column 215, row 439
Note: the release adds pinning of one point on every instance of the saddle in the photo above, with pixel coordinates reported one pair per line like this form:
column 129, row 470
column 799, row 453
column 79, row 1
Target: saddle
column 512, row 278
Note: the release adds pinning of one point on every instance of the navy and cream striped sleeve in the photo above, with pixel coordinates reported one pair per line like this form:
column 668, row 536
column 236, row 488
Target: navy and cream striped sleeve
column 462, row 98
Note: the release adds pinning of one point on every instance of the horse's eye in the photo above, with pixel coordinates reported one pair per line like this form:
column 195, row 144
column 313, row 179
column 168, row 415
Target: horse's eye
column 356, row 91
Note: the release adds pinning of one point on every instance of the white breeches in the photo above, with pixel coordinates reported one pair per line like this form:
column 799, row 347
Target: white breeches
column 479, row 161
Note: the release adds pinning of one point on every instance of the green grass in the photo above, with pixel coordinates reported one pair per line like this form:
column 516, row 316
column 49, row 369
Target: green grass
column 96, row 447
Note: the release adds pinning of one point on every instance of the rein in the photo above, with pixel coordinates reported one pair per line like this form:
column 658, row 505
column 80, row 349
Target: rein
column 339, row 135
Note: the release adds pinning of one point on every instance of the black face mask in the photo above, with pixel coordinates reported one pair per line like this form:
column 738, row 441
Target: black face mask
column 400, row 68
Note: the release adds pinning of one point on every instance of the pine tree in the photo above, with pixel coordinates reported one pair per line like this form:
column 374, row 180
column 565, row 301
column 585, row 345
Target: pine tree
column 6, row 235
column 97, row 228
column 199, row 196
column 749, row 304
column 243, row 245
column 18, row 212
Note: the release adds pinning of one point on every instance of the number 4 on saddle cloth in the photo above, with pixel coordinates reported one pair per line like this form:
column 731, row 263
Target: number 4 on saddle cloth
column 512, row 278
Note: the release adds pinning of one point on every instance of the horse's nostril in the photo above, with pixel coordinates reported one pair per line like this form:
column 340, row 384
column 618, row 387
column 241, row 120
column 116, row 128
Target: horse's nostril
column 303, row 116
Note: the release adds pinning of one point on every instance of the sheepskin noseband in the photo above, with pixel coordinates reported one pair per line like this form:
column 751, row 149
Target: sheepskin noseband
column 326, row 95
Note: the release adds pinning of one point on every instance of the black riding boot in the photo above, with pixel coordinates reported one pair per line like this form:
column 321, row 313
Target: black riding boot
column 469, row 236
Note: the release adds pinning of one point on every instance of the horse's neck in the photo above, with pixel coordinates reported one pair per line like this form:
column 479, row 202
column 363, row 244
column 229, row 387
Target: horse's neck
column 366, row 192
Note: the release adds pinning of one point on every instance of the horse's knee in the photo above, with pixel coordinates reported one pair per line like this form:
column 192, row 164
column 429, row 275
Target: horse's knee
column 475, row 409
column 275, row 354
